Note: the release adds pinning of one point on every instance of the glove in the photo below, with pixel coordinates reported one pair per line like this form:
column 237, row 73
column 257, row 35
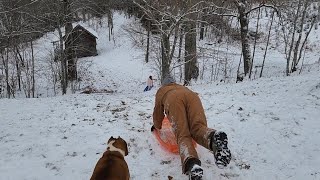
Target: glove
column 152, row 128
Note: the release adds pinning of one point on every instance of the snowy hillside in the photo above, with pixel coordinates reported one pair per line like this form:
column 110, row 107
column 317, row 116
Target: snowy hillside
column 273, row 123
column 273, row 127
column 118, row 65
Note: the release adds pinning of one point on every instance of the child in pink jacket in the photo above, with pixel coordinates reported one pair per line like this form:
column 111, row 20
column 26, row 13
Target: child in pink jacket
column 149, row 84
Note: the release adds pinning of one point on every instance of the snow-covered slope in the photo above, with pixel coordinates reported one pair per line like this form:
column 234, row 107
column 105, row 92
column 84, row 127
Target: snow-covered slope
column 273, row 127
column 117, row 67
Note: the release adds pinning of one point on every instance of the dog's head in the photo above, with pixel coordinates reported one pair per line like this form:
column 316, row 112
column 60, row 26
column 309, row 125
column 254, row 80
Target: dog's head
column 118, row 143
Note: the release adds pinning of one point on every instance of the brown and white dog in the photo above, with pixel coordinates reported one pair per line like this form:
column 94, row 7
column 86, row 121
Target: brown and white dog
column 112, row 166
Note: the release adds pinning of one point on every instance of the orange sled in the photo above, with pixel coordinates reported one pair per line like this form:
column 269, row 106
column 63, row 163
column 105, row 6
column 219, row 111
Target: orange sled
column 166, row 137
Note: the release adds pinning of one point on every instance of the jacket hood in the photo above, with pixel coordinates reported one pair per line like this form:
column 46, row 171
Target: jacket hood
column 167, row 80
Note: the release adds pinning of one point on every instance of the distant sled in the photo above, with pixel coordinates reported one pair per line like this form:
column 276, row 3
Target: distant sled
column 166, row 137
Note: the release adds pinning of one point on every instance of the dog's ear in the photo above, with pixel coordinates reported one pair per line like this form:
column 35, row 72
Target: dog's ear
column 126, row 152
column 110, row 139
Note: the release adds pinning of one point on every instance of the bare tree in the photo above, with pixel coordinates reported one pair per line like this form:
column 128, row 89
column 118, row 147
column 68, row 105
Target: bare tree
column 240, row 9
column 298, row 47
column 267, row 45
column 72, row 67
column 255, row 43
column 242, row 6
column 56, row 18
column 23, row 21
column 295, row 20
column 148, row 42
column 165, row 22
column 168, row 21
column 17, row 28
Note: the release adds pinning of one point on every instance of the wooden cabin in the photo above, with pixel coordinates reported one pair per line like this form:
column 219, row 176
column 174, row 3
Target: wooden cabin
column 84, row 42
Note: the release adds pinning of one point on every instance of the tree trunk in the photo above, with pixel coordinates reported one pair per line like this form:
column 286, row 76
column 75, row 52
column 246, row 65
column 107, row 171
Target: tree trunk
column 33, row 79
column 202, row 24
column 6, row 70
column 179, row 52
column 244, row 25
column 19, row 59
column 317, row 19
column 292, row 39
column 18, row 74
column 63, row 61
column 72, row 67
column 268, row 40
column 255, row 43
column 305, row 41
column 191, row 71
column 165, row 51
column 110, row 23
column 175, row 39
column 148, row 42
column 297, row 45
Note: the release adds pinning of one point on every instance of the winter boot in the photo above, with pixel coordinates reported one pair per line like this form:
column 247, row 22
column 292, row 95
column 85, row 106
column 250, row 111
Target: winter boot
column 196, row 173
column 193, row 169
column 219, row 143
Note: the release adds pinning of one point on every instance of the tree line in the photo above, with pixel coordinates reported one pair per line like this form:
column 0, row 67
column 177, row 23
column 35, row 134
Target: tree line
column 173, row 27
column 183, row 22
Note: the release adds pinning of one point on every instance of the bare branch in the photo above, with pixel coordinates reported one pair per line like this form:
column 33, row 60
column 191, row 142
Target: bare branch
column 263, row 5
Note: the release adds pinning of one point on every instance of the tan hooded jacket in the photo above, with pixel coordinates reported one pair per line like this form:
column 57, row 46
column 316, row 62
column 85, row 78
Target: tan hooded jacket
column 158, row 112
column 186, row 115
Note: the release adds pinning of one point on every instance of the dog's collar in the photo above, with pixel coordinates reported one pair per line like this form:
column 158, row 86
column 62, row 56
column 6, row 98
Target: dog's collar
column 112, row 148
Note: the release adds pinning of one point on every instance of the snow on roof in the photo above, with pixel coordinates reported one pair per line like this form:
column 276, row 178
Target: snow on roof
column 84, row 25
column 88, row 28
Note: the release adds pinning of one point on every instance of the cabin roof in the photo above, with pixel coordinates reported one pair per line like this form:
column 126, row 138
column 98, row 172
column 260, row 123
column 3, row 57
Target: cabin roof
column 88, row 30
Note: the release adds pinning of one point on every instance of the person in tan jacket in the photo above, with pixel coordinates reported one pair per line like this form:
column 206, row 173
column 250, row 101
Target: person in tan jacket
column 184, row 110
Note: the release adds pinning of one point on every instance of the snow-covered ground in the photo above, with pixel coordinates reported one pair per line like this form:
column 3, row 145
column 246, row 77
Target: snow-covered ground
column 273, row 124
